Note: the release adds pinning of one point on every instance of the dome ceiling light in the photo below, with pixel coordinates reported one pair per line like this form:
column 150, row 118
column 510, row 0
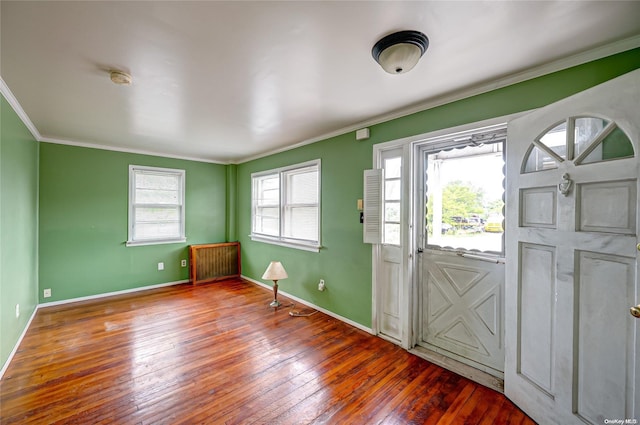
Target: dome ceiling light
column 120, row 78
column 399, row 52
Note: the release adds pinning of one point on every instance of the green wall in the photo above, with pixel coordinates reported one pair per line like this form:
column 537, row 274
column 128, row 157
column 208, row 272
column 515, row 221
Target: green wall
column 344, row 261
column 83, row 221
column 18, row 227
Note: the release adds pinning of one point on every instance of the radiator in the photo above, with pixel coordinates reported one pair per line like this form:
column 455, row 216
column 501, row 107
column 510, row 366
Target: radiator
column 210, row 262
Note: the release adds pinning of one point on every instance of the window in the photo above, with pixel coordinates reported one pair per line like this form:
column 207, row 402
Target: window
column 582, row 140
column 156, row 205
column 392, row 182
column 286, row 206
column 464, row 208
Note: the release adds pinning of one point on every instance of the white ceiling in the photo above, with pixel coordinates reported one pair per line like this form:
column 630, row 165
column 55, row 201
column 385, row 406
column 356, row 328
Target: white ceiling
column 227, row 81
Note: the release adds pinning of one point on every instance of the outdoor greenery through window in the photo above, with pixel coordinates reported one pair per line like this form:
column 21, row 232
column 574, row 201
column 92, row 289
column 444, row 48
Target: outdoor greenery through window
column 286, row 206
column 156, row 205
column 464, row 208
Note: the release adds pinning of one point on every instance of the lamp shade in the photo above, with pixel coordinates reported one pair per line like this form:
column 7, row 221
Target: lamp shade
column 275, row 271
column 399, row 52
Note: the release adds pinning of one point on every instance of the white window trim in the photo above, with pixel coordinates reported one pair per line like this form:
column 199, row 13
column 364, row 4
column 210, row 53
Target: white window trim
column 182, row 238
column 281, row 240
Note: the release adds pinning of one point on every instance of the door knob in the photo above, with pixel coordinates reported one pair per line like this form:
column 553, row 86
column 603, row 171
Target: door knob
column 635, row 311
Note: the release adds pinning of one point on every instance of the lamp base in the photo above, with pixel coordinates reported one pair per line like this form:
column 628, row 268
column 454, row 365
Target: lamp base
column 275, row 304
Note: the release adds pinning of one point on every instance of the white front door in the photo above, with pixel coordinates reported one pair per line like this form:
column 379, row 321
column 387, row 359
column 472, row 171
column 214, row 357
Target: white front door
column 572, row 257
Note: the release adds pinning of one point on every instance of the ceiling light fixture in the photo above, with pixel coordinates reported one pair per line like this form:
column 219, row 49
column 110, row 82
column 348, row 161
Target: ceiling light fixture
column 120, row 78
column 399, row 52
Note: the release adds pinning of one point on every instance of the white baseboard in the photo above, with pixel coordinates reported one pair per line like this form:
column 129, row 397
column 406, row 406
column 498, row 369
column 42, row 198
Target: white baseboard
column 110, row 294
column 15, row 347
column 308, row 304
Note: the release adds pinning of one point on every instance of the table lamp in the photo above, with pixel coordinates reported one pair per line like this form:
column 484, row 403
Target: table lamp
column 275, row 272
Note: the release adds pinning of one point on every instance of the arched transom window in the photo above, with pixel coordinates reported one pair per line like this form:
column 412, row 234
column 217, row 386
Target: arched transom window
column 581, row 140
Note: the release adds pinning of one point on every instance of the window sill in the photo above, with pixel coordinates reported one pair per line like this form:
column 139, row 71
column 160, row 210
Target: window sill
column 155, row 242
column 300, row 246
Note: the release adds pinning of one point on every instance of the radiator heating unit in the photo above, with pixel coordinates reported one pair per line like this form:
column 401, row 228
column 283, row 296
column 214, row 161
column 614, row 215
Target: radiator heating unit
column 211, row 262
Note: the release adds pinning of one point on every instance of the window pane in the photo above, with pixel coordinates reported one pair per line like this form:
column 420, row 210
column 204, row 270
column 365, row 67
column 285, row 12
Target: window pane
column 145, row 180
column 464, row 198
column 392, row 211
column 269, row 197
column 157, row 230
column 267, row 190
column 587, row 129
column 539, row 160
column 157, row 214
column 556, row 139
column 156, row 196
column 615, row 146
column 392, row 167
column 392, row 190
column 270, row 212
column 391, row 234
column 302, row 186
column 266, row 221
column 266, row 225
column 301, row 223
column 301, row 210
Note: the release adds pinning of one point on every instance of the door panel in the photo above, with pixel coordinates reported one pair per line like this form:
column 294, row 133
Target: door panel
column 462, row 308
column 539, row 207
column 608, row 207
column 537, row 289
column 604, row 335
column 572, row 263
column 390, row 306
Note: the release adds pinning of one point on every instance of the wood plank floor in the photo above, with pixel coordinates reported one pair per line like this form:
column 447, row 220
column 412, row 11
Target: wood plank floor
column 217, row 354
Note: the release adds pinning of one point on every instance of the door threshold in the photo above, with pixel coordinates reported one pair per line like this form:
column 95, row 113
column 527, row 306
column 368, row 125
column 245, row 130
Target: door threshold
column 469, row 372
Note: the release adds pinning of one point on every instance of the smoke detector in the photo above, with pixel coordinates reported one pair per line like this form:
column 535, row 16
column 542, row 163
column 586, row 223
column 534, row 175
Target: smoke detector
column 120, row 78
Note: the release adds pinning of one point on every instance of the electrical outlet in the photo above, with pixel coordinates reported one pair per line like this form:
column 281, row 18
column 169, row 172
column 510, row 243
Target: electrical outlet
column 47, row 292
column 160, row 266
column 17, row 310
column 321, row 286
column 183, row 263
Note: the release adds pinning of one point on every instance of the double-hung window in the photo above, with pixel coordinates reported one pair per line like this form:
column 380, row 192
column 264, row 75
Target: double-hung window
column 156, row 205
column 286, row 206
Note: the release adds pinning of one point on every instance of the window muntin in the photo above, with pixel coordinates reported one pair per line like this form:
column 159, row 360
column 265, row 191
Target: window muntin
column 464, row 208
column 286, row 206
column 156, row 205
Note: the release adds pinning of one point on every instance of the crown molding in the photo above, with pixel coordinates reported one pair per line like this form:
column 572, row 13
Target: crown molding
column 13, row 101
column 127, row 150
column 528, row 74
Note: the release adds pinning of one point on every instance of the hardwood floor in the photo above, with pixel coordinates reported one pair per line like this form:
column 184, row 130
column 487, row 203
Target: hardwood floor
column 217, row 354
